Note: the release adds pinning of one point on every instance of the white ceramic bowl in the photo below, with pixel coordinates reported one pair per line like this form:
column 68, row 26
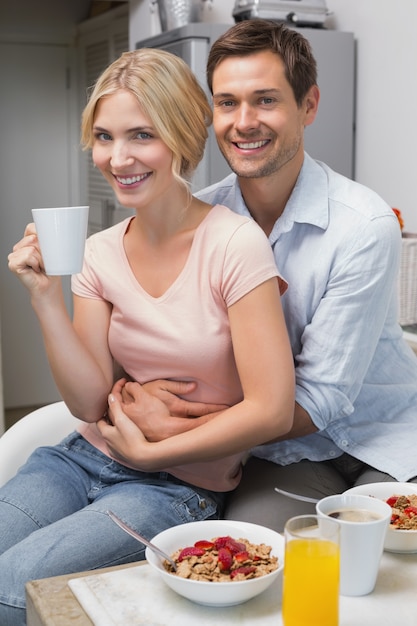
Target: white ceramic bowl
column 395, row 540
column 216, row 593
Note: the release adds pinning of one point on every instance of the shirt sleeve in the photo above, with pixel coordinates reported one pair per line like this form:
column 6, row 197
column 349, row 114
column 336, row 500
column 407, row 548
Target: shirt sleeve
column 87, row 283
column 249, row 261
column 340, row 340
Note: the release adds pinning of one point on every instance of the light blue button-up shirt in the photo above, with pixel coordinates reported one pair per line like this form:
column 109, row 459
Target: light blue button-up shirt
column 338, row 245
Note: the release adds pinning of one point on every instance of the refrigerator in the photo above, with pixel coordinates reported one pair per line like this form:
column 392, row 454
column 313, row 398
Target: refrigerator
column 330, row 138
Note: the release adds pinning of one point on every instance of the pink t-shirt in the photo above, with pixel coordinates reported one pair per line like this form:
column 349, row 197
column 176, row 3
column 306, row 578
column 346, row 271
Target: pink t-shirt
column 183, row 334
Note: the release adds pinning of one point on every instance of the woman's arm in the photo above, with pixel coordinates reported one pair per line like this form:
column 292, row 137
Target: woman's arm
column 78, row 352
column 265, row 366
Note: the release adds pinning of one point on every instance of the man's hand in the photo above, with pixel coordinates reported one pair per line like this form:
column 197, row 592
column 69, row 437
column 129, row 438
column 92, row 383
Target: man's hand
column 158, row 412
column 169, row 392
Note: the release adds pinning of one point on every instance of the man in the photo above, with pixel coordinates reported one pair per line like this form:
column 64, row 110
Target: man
column 338, row 245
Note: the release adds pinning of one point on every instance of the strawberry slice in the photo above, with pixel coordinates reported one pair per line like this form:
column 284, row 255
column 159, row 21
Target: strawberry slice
column 230, row 543
column 204, row 544
column 241, row 556
column 235, row 546
column 245, row 570
column 225, row 559
column 410, row 511
column 190, row 551
column 220, row 542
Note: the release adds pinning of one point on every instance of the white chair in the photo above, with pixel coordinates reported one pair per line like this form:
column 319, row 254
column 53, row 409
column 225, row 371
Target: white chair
column 43, row 427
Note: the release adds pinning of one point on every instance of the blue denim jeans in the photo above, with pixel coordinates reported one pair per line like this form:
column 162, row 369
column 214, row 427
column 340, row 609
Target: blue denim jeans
column 53, row 516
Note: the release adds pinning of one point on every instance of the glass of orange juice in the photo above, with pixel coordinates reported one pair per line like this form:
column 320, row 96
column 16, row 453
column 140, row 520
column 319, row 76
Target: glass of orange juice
column 310, row 593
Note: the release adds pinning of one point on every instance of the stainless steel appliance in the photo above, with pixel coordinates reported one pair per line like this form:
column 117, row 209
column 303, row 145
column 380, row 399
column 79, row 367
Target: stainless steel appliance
column 299, row 12
column 176, row 13
column 330, row 138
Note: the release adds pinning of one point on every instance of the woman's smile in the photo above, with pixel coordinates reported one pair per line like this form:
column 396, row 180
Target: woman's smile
column 129, row 181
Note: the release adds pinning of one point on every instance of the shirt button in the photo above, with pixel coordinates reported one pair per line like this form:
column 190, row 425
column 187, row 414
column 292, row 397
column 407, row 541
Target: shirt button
column 332, row 453
column 345, row 443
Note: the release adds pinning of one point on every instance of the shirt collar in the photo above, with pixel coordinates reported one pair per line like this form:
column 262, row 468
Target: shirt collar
column 308, row 203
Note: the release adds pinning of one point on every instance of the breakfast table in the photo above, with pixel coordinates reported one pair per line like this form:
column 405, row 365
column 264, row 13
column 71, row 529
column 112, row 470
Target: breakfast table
column 133, row 595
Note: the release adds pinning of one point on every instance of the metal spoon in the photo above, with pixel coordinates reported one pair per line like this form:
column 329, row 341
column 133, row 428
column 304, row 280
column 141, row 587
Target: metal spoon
column 296, row 496
column 136, row 535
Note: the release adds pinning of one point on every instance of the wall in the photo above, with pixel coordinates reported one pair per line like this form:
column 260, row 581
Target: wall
column 2, row 422
column 386, row 136
column 46, row 21
column 385, row 155
column 39, row 122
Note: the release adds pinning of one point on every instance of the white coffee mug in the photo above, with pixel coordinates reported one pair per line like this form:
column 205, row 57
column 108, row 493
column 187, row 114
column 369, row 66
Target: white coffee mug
column 363, row 524
column 62, row 232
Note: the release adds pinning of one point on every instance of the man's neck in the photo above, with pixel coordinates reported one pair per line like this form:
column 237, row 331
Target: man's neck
column 266, row 197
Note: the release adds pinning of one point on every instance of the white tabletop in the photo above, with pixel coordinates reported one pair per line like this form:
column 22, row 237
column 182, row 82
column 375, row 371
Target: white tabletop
column 136, row 596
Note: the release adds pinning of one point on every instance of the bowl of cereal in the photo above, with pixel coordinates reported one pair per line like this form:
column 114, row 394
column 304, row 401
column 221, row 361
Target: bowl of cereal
column 401, row 534
column 219, row 563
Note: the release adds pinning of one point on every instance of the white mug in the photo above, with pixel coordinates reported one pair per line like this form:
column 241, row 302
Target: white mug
column 62, row 232
column 363, row 524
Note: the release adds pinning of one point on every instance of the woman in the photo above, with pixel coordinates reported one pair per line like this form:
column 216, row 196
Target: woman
column 182, row 290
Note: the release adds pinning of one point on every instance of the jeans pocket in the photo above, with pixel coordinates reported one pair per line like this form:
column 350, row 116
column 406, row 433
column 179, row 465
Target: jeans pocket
column 194, row 506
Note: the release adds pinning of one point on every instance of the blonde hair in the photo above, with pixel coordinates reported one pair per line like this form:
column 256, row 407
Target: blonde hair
column 168, row 93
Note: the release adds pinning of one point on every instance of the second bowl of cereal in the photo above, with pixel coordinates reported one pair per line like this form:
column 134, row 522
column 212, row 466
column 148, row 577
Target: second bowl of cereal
column 402, row 497
column 219, row 563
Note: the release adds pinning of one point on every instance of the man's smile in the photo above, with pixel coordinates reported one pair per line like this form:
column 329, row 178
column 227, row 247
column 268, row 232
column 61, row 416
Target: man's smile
column 251, row 145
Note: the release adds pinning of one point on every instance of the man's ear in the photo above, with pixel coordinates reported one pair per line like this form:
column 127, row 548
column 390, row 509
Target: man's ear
column 311, row 104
